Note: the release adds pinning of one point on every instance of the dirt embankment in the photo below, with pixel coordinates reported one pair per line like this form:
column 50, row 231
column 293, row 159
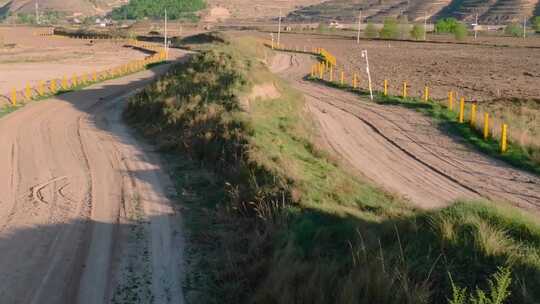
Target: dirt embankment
column 405, row 151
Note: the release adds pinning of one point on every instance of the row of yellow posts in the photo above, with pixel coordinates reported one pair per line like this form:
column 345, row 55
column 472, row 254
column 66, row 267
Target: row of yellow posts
column 54, row 86
column 325, row 70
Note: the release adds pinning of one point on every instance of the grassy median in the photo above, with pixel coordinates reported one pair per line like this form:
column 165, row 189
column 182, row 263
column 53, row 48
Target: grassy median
column 273, row 219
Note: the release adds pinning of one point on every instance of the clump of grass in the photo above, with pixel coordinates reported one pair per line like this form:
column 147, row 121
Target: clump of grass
column 273, row 220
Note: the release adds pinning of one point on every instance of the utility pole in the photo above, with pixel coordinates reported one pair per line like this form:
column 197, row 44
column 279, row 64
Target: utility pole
column 476, row 27
column 425, row 26
column 37, row 12
column 359, row 26
column 279, row 30
column 365, row 55
column 165, row 40
column 524, row 27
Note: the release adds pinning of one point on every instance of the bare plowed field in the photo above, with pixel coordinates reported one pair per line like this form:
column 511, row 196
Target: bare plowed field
column 478, row 72
column 27, row 58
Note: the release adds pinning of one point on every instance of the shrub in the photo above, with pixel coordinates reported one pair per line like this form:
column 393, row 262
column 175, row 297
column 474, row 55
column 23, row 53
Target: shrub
column 417, row 32
column 390, row 29
column 499, row 292
column 460, row 31
column 403, row 27
column 371, row 31
column 536, row 23
column 139, row 9
column 514, row 30
column 446, row 25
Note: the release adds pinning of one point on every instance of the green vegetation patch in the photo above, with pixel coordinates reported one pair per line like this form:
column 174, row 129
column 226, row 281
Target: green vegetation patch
column 155, row 9
column 273, row 219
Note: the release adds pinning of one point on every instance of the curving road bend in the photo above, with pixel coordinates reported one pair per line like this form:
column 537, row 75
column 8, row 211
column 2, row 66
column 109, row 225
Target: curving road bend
column 403, row 150
column 85, row 214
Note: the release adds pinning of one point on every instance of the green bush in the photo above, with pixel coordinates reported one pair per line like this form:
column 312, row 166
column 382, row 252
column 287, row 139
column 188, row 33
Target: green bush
column 446, row 25
column 403, row 27
column 371, row 31
column 390, row 29
column 536, row 23
column 460, row 31
column 514, row 30
column 139, row 9
column 417, row 32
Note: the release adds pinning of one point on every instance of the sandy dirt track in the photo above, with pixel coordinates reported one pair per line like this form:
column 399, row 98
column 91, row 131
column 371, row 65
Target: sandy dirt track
column 85, row 215
column 404, row 151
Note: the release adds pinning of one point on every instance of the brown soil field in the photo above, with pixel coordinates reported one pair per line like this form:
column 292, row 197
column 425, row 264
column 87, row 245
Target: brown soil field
column 505, row 80
column 27, row 58
column 478, row 72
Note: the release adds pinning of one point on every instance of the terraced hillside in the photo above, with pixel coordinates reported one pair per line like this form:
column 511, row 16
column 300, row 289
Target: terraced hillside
column 85, row 7
column 489, row 11
column 259, row 9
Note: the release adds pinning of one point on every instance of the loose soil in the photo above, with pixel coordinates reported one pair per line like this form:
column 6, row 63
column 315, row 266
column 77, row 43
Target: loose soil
column 85, row 209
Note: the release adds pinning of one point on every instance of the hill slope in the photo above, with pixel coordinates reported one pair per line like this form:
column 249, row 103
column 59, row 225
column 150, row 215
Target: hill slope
column 85, row 7
column 489, row 11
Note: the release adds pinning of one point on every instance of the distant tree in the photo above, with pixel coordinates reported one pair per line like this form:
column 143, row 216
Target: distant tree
column 446, row 25
column 370, row 31
column 390, row 29
column 514, row 30
column 536, row 23
column 403, row 27
column 417, row 32
column 460, row 31
column 139, row 9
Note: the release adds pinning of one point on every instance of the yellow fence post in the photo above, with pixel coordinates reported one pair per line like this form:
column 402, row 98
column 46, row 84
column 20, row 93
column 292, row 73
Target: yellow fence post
column 461, row 109
column 355, row 81
column 342, row 78
column 473, row 115
column 64, row 83
column 94, row 76
column 28, row 92
column 53, row 86
column 404, row 93
column 426, row 94
column 486, row 125
column 14, row 97
column 451, row 101
column 386, row 87
column 504, row 144
column 321, row 70
column 41, row 88
column 331, row 74
column 74, row 81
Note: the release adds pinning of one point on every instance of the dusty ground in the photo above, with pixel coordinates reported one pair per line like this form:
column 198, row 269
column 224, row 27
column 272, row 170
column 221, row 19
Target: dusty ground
column 404, row 151
column 85, row 215
column 36, row 58
column 474, row 71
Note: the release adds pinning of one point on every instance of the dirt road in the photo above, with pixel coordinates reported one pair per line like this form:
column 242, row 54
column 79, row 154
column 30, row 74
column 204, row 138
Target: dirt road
column 85, row 215
column 403, row 150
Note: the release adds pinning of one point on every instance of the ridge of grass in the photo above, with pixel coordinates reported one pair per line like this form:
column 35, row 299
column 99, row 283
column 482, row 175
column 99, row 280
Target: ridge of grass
column 272, row 219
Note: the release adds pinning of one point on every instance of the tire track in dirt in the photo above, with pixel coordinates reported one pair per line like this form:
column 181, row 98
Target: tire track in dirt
column 404, row 151
column 63, row 196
